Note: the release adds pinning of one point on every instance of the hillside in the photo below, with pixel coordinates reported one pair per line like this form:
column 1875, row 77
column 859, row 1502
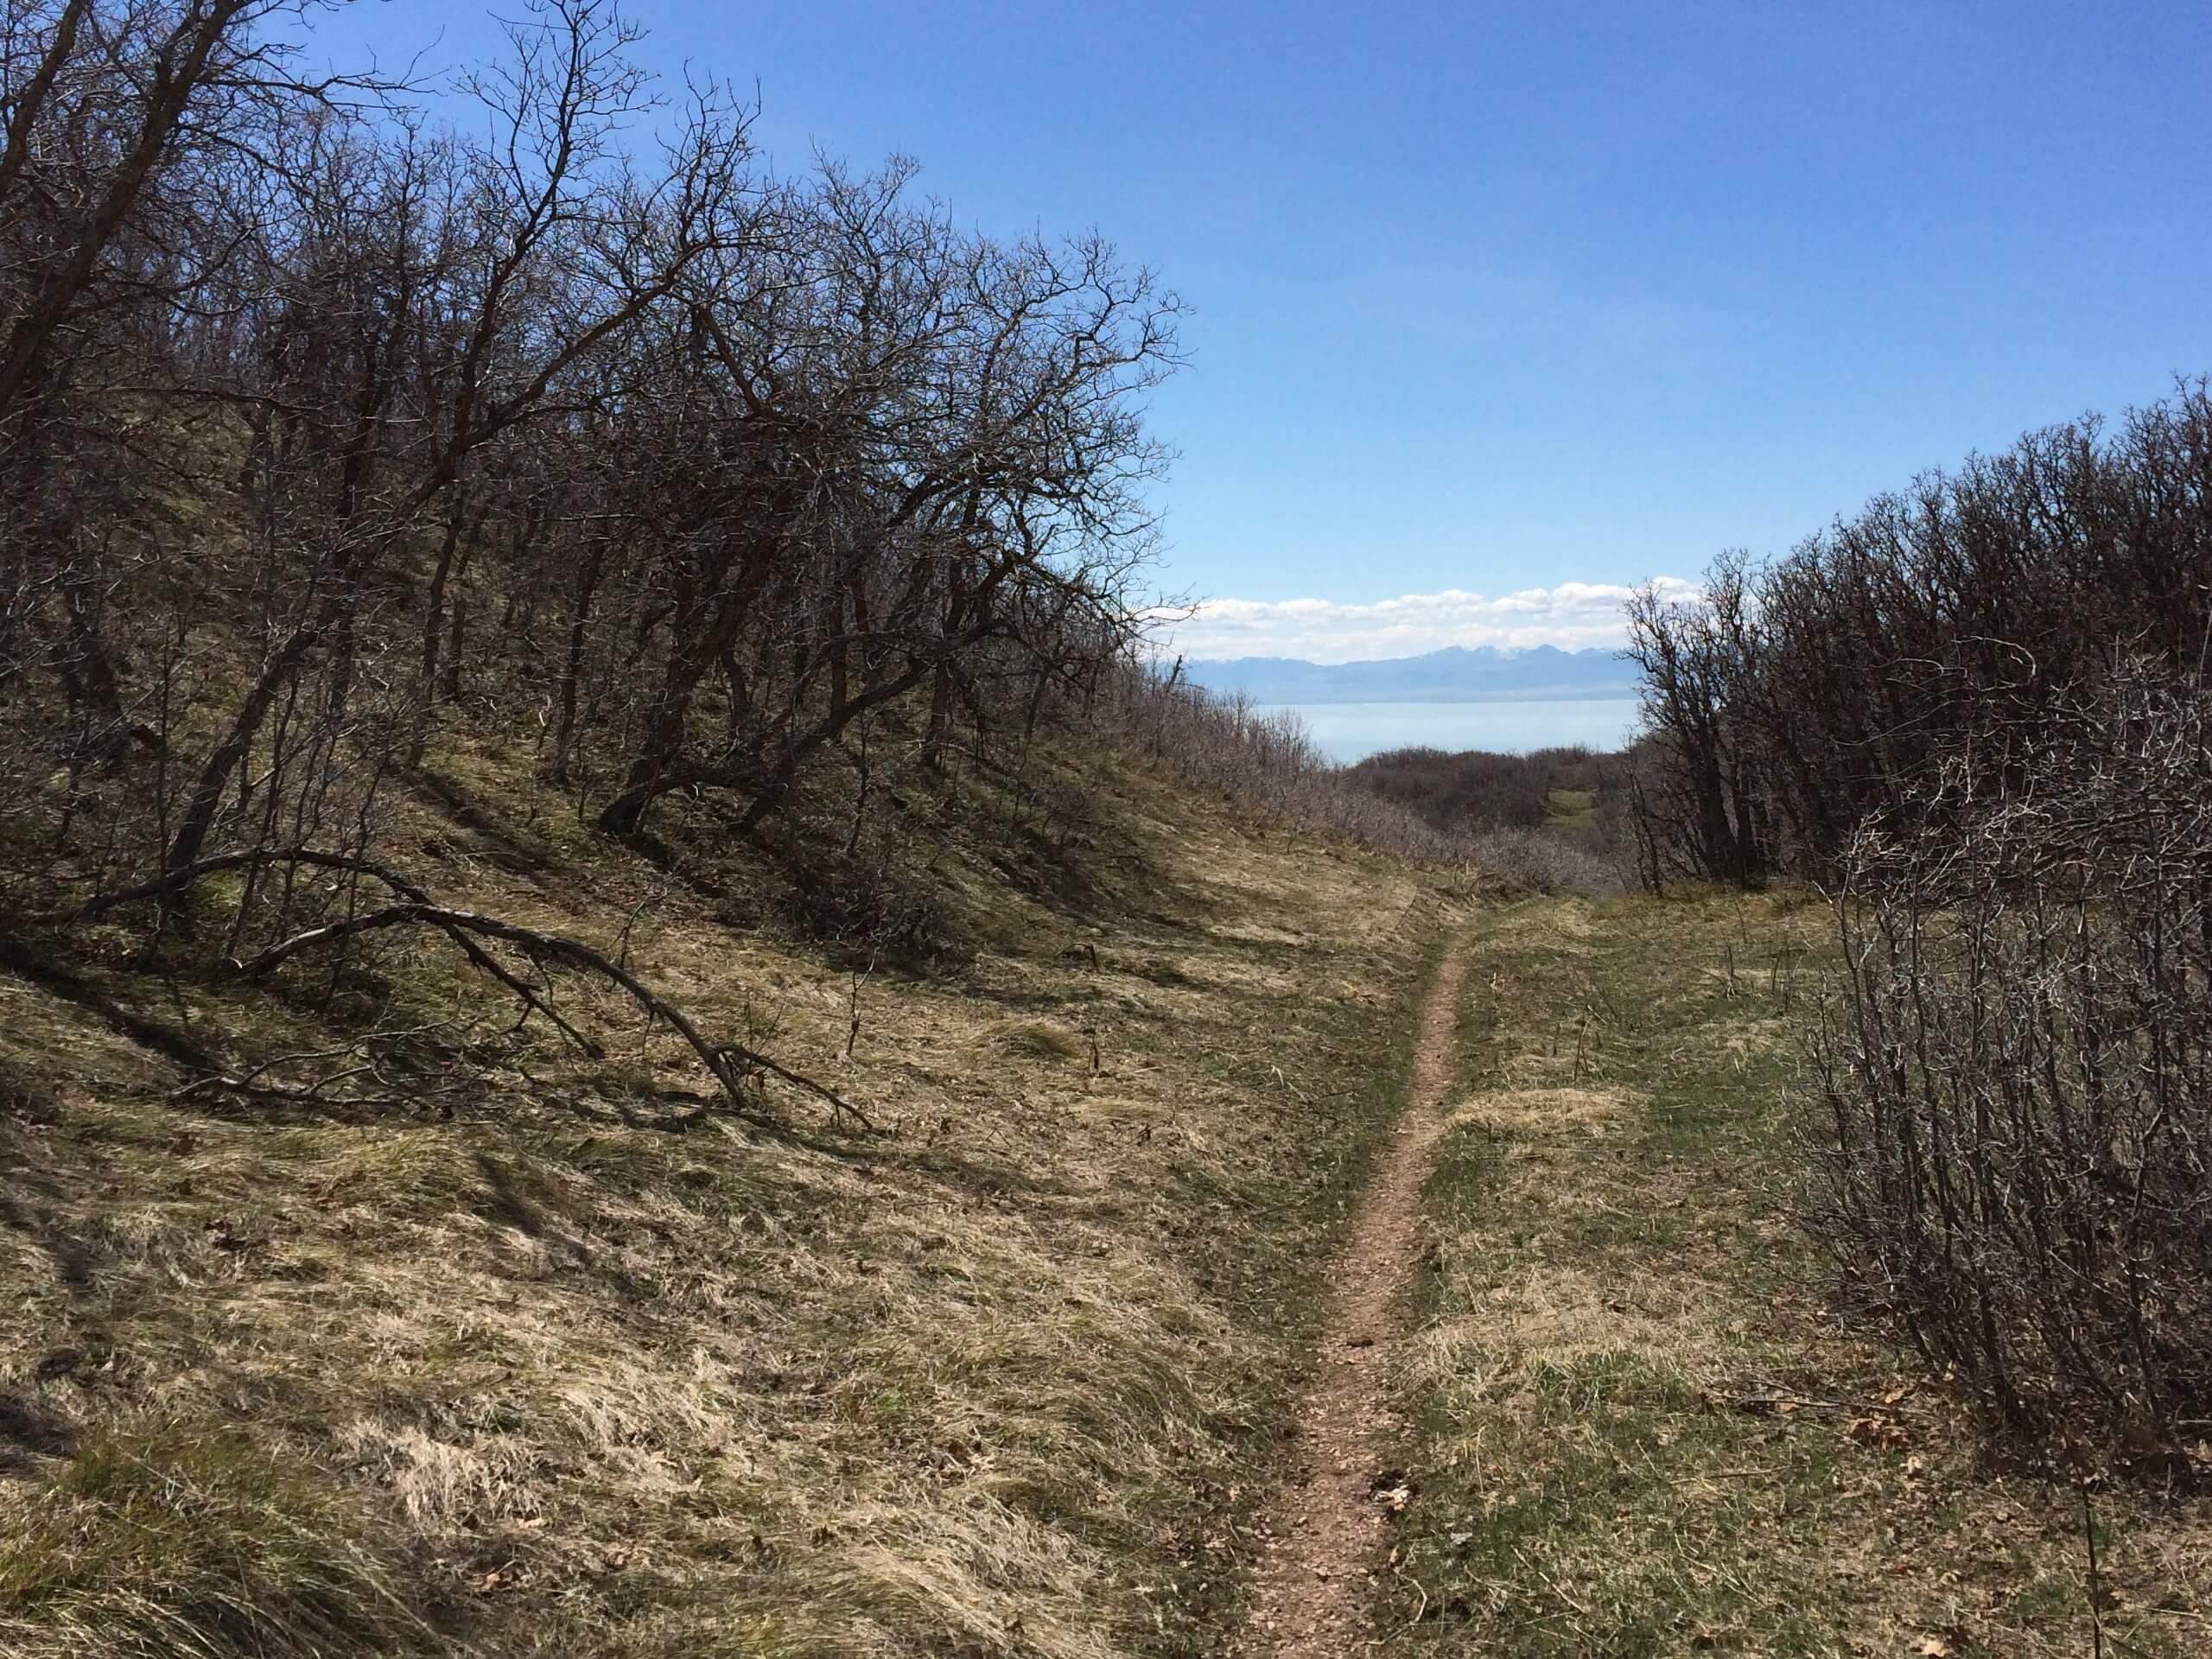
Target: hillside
column 631, row 1027
column 555, row 1355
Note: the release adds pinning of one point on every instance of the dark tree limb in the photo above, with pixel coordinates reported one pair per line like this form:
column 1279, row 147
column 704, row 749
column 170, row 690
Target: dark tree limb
column 175, row 881
column 729, row 1063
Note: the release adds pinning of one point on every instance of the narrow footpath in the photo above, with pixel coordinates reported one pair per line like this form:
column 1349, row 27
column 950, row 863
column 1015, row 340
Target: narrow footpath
column 1325, row 1532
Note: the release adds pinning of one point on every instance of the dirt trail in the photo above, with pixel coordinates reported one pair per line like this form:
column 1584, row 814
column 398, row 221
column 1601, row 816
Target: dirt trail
column 1326, row 1532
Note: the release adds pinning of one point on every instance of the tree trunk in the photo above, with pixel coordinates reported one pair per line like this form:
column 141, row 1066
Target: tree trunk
column 434, row 618
column 215, row 776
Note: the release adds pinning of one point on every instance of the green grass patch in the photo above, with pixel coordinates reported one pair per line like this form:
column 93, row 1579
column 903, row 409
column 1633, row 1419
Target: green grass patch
column 1635, row 1430
column 172, row 1541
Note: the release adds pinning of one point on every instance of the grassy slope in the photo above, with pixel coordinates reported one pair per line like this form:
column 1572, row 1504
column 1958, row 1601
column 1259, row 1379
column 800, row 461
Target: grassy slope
column 1637, row 1433
column 547, row 1363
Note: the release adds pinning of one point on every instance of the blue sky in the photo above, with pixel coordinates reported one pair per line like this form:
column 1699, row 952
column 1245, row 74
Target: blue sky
column 1513, row 305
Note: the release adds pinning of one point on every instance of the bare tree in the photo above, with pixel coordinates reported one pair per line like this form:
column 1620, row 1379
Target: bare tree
column 317, row 418
column 1698, row 802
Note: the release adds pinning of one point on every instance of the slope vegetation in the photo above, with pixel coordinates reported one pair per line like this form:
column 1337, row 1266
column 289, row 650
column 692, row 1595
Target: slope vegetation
column 519, row 1351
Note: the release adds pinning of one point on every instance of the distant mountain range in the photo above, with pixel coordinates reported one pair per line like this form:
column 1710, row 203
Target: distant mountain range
column 1456, row 674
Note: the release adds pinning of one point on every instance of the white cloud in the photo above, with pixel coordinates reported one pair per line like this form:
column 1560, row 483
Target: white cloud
column 1572, row 616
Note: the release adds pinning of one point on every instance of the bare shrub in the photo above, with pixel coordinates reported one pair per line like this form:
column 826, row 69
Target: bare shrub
column 870, row 911
column 1539, row 862
column 1476, row 787
column 1797, row 696
column 2011, row 1099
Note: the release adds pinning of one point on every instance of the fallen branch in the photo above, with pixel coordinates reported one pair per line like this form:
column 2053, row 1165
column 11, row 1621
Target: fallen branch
column 172, row 882
column 729, row 1063
column 1763, row 1404
column 250, row 1085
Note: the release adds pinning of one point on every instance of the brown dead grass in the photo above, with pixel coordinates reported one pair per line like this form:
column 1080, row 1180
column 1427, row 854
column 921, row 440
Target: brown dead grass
column 552, row 1362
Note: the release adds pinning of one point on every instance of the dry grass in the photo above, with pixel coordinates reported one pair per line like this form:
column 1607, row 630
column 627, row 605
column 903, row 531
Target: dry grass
column 1639, row 1434
column 553, row 1362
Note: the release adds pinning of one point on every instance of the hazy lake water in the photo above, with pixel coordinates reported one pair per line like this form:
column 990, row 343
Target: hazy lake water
column 1352, row 731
